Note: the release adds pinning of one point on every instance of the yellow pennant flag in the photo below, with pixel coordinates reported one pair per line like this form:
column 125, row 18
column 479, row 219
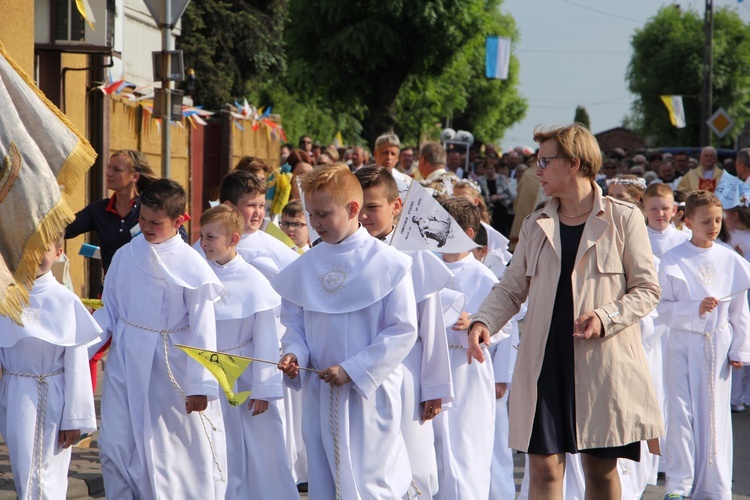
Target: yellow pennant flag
column 225, row 367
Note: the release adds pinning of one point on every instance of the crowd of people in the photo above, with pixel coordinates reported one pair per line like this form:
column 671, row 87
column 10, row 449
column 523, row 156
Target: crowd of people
column 383, row 373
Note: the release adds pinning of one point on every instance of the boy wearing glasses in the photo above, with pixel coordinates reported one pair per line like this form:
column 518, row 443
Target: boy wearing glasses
column 294, row 225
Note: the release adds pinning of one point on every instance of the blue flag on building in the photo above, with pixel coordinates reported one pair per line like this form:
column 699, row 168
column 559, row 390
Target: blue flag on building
column 498, row 57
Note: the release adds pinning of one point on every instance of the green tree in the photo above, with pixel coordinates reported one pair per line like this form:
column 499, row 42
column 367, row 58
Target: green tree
column 366, row 50
column 461, row 91
column 582, row 117
column 668, row 60
column 230, row 43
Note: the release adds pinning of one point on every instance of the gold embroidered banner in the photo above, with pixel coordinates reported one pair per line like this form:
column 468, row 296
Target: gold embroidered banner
column 42, row 160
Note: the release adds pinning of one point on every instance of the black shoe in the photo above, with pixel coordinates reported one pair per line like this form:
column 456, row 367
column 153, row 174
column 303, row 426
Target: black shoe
column 302, row 487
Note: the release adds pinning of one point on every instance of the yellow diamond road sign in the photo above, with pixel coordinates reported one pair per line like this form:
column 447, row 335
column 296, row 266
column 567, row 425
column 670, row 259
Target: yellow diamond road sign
column 720, row 122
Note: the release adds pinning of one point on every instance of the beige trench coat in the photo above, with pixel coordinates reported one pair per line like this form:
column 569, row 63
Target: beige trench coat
column 614, row 275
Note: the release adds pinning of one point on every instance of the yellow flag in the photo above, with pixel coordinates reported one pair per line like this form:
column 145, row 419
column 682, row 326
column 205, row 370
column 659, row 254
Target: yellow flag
column 86, row 12
column 338, row 140
column 675, row 108
column 280, row 235
column 225, row 367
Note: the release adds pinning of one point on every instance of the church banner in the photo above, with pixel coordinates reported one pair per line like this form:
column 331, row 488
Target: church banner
column 42, row 160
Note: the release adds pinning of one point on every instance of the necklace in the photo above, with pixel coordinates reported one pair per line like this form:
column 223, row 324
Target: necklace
column 577, row 215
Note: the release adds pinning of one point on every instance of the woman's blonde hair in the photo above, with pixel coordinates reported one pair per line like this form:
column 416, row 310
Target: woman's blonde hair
column 576, row 143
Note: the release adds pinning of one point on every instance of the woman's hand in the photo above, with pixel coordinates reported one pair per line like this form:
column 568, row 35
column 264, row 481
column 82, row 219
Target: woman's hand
column 478, row 331
column 588, row 325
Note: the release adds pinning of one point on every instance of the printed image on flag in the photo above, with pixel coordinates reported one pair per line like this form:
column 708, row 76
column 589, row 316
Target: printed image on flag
column 732, row 192
column 43, row 159
column 227, row 368
column 425, row 225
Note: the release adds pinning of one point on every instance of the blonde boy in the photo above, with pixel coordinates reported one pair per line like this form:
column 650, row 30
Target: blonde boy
column 349, row 309
column 704, row 304
column 658, row 202
column 257, row 463
column 160, row 417
column 427, row 378
column 46, row 398
column 261, row 250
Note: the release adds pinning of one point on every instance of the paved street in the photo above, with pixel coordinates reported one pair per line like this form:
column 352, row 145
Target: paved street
column 86, row 480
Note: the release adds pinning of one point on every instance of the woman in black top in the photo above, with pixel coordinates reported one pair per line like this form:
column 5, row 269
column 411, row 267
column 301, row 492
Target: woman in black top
column 128, row 173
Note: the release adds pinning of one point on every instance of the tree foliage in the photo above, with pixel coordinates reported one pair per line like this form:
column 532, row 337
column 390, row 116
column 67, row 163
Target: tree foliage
column 582, row 117
column 230, row 43
column 462, row 92
column 364, row 54
column 668, row 60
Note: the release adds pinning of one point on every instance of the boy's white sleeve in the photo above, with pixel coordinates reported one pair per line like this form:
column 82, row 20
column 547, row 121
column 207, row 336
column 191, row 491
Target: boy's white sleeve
column 294, row 340
column 200, row 306
column 398, row 332
column 504, row 358
column 435, row 377
column 675, row 312
column 267, row 384
column 739, row 318
column 78, row 411
column 109, row 314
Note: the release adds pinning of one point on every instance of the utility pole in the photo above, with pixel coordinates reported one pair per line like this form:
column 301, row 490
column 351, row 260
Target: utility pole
column 167, row 45
column 708, row 75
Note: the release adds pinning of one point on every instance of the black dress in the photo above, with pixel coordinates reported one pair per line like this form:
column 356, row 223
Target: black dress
column 554, row 428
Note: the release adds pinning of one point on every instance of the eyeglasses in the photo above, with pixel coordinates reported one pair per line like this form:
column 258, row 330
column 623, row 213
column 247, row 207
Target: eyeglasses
column 294, row 225
column 543, row 161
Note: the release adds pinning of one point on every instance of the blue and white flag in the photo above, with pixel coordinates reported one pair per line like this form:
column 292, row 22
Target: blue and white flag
column 498, row 57
column 732, row 192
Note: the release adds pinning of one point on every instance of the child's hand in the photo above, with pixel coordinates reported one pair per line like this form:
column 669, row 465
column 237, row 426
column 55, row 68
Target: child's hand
column 708, row 304
column 334, row 375
column 196, row 403
column 500, row 389
column 68, row 438
column 288, row 365
column 735, row 364
column 431, row 408
column 462, row 323
column 260, row 406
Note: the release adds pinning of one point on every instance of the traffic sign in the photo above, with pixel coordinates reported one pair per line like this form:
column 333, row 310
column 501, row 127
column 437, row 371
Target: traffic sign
column 165, row 14
column 720, row 122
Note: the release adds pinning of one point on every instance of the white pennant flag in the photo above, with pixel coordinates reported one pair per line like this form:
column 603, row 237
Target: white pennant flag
column 426, row 225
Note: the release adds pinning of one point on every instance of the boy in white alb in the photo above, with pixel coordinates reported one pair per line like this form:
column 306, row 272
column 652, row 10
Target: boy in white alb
column 349, row 309
column 269, row 256
column 46, row 398
column 257, row 463
column 294, row 225
column 464, row 453
column 704, row 303
column 427, row 376
column 658, row 202
column 259, row 249
column 161, row 433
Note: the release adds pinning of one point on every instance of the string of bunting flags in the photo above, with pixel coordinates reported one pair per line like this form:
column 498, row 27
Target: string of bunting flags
column 143, row 95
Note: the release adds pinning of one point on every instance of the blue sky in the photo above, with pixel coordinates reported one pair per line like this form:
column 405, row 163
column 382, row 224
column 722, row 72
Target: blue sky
column 576, row 52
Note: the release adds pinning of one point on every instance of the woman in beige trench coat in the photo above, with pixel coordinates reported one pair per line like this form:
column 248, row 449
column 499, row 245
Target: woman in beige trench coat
column 581, row 382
